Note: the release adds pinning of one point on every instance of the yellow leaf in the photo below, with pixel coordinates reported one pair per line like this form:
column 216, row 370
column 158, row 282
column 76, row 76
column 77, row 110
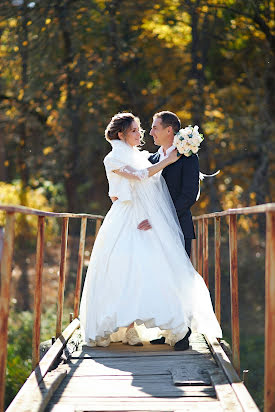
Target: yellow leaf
column 16, row 48
column 29, row 23
column 47, row 21
column 49, row 107
column 25, row 43
column 47, row 150
column 12, row 22
column 21, row 94
column 89, row 85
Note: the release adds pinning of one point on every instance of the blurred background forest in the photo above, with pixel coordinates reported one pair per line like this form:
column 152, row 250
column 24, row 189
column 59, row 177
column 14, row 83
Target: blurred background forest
column 66, row 66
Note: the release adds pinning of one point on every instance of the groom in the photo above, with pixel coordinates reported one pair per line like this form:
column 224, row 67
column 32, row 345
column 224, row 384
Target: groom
column 182, row 179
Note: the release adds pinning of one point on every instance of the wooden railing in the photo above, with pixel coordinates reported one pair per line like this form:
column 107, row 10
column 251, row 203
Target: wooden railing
column 6, row 270
column 200, row 261
column 200, row 255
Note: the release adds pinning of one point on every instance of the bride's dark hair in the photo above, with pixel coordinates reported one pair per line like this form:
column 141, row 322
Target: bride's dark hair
column 120, row 122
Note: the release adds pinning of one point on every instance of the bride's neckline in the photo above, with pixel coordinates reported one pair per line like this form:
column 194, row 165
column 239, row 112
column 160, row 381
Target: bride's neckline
column 120, row 143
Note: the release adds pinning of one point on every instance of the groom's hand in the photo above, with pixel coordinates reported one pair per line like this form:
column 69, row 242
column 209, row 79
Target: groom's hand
column 144, row 225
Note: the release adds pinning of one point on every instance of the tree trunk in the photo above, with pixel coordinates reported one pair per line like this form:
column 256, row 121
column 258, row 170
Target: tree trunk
column 199, row 52
column 2, row 160
column 72, row 175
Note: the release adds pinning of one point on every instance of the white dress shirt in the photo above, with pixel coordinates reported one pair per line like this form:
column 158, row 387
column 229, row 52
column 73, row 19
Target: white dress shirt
column 162, row 156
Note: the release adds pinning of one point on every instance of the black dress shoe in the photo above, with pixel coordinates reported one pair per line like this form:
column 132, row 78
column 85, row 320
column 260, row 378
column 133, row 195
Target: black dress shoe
column 183, row 344
column 159, row 341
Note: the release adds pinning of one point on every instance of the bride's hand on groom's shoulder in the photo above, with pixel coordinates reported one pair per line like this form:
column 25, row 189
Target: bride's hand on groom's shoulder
column 144, row 225
column 173, row 156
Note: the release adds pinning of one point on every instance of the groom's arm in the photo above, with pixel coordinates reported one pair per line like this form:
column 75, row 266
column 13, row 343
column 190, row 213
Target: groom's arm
column 189, row 185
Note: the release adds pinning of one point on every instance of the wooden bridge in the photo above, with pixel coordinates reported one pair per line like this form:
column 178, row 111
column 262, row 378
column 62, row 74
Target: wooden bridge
column 124, row 378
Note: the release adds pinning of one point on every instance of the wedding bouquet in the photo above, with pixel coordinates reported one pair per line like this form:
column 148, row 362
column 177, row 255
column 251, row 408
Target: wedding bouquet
column 188, row 140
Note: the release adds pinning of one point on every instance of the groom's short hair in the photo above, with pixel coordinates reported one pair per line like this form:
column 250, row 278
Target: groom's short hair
column 169, row 119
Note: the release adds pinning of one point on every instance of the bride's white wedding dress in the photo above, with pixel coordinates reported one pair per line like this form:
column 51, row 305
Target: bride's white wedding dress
column 142, row 276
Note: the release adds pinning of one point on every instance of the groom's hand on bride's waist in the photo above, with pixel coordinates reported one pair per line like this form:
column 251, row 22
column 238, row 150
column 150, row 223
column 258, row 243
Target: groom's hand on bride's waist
column 144, row 225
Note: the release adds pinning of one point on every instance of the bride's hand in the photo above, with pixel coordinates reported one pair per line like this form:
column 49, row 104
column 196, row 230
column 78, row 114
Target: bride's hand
column 173, row 156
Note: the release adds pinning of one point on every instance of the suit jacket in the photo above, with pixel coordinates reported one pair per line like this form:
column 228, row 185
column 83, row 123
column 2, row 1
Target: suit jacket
column 182, row 179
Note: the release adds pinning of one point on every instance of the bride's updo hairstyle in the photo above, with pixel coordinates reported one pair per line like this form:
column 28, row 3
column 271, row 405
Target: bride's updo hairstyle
column 120, row 122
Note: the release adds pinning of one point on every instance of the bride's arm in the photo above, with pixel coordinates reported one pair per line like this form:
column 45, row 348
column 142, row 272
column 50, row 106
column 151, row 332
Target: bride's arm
column 134, row 174
column 113, row 198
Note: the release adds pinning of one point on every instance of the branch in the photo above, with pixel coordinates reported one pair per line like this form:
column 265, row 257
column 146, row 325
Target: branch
column 40, row 116
column 237, row 159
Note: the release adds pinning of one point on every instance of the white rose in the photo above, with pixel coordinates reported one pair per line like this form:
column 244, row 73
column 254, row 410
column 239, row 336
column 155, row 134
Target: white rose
column 195, row 140
column 195, row 149
column 188, row 130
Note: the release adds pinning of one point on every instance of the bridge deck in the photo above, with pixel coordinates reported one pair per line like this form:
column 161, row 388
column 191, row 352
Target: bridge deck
column 152, row 377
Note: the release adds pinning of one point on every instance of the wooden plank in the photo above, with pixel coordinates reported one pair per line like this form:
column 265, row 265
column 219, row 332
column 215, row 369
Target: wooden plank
column 218, row 268
column 39, row 397
column 239, row 388
column 80, row 265
column 62, row 273
column 197, row 345
column 225, row 393
column 44, row 365
column 235, row 327
column 130, row 386
column 140, row 404
column 89, row 353
column 141, row 366
column 38, row 291
column 6, row 270
column 269, row 387
column 191, row 374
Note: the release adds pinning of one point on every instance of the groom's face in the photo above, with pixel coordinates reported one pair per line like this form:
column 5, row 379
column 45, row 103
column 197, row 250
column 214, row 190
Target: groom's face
column 159, row 133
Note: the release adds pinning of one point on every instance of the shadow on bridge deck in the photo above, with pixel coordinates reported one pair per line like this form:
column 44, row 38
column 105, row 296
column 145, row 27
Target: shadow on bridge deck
column 155, row 378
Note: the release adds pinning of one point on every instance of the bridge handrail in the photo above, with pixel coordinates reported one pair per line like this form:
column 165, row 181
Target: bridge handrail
column 200, row 261
column 36, row 212
column 267, row 207
column 6, row 271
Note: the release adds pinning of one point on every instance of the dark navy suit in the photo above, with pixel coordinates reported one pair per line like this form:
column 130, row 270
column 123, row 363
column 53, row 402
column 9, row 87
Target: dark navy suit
column 182, row 179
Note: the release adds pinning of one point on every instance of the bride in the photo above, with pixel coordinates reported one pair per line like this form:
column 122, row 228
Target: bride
column 140, row 277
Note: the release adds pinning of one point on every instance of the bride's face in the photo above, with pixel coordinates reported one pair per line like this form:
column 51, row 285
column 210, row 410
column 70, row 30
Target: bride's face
column 133, row 134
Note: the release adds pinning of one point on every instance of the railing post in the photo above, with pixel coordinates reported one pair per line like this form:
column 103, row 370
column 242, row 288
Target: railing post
column 269, row 386
column 235, row 329
column 98, row 224
column 200, row 246
column 38, row 291
column 194, row 248
column 5, row 270
column 218, row 268
column 62, row 274
column 205, row 252
column 80, row 266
